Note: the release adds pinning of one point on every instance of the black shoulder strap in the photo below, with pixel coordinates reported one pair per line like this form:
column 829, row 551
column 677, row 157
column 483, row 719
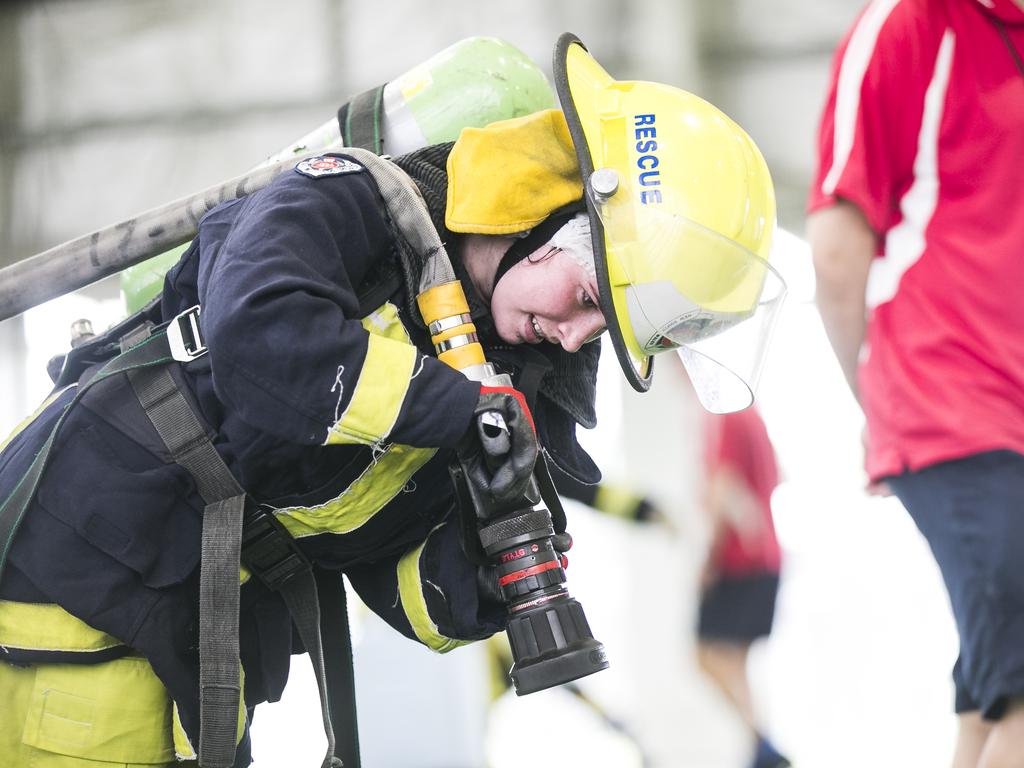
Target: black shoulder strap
column 373, row 295
column 189, row 446
column 359, row 120
column 338, row 667
column 68, row 369
column 265, row 547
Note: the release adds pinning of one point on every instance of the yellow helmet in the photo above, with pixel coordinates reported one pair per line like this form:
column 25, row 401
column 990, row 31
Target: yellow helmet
column 682, row 213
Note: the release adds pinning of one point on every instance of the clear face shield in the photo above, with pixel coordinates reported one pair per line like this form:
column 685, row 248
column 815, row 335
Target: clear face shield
column 676, row 284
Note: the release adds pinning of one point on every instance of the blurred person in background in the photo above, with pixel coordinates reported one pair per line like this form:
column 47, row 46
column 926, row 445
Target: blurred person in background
column 740, row 579
column 917, row 231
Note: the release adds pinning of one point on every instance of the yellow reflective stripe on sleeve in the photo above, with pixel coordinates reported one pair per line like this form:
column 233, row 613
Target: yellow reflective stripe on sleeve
column 48, row 627
column 410, row 590
column 380, row 482
column 391, row 468
column 382, row 383
column 384, row 321
column 380, row 391
column 617, row 501
column 35, row 413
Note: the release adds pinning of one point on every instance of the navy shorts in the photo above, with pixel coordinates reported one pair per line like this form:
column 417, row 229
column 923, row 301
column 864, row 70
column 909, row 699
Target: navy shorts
column 971, row 511
column 738, row 609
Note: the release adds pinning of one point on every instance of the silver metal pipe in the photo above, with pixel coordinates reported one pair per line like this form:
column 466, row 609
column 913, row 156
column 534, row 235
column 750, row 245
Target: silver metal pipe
column 86, row 259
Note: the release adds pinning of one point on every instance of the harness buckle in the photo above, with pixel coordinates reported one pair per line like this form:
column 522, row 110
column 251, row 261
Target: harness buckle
column 269, row 551
column 184, row 336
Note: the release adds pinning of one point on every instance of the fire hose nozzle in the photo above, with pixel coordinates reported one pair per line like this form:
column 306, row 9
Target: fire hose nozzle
column 548, row 632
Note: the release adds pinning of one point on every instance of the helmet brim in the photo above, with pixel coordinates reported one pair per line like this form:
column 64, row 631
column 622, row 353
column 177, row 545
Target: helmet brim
column 638, row 372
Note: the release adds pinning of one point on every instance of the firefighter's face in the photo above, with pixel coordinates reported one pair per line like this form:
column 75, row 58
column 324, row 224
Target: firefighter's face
column 547, row 297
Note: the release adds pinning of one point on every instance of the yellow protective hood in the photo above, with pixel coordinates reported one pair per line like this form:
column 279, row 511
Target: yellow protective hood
column 511, row 175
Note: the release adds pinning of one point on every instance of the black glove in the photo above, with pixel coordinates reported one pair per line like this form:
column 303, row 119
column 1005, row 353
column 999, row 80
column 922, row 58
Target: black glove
column 499, row 461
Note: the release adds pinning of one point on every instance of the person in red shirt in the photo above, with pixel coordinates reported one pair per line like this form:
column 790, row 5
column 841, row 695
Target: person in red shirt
column 740, row 579
column 741, row 575
column 917, row 230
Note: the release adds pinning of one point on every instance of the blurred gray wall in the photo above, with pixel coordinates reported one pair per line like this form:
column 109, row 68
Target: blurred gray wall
column 766, row 64
column 113, row 106
column 108, row 107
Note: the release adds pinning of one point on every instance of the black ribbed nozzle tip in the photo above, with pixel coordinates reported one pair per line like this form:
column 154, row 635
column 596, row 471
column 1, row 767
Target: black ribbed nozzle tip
column 552, row 644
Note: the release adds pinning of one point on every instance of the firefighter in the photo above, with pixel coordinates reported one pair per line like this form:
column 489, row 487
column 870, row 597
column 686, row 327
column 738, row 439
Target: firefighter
column 299, row 379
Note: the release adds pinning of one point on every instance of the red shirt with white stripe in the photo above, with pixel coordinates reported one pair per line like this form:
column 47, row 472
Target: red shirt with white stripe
column 924, row 131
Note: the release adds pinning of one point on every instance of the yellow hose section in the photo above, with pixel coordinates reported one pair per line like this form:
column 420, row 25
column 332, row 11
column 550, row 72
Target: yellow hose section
column 444, row 300
column 463, row 357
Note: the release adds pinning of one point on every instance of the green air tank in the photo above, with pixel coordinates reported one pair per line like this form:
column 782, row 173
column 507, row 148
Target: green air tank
column 472, row 83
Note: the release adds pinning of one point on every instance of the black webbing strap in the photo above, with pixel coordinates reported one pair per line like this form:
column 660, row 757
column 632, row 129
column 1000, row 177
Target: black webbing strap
column 359, row 120
column 548, row 492
column 219, row 590
column 220, row 687
column 271, row 553
column 189, row 446
column 341, row 687
column 373, row 296
column 533, row 367
column 301, row 597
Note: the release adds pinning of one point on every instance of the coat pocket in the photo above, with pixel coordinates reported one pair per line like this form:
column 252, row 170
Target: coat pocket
column 116, row 712
column 124, row 502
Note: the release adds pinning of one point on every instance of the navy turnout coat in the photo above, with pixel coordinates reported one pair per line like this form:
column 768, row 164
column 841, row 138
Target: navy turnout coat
column 342, row 424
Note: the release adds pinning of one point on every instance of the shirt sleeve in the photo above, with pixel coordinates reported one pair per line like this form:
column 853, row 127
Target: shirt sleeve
column 278, row 285
column 868, row 133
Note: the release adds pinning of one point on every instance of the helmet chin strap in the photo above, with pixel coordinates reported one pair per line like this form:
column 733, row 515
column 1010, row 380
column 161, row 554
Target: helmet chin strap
column 524, row 246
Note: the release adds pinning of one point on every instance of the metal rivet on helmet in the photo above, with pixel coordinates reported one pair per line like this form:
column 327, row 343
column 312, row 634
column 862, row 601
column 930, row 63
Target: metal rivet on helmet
column 604, row 183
